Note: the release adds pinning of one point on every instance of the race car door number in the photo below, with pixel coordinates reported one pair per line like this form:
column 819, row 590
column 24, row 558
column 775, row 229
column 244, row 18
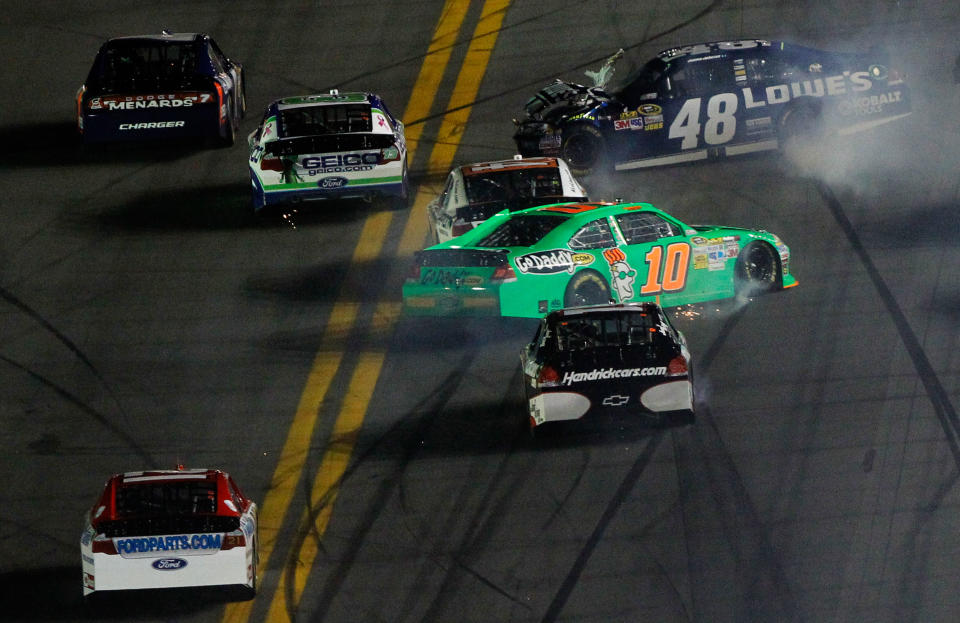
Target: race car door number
column 721, row 123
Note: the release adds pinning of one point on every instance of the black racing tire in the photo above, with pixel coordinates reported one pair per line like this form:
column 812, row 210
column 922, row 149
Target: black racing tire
column 800, row 125
column 583, row 148
column 229, row 136
column 757, row 269
column 587, row 287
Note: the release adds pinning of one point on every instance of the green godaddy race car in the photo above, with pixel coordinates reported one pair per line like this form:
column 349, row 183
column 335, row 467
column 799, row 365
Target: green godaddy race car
column 535, row 261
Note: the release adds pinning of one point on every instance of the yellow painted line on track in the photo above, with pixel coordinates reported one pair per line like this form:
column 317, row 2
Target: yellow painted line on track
column 431, row 72
column 328, row 478
column 455, row 122
column 293, row 455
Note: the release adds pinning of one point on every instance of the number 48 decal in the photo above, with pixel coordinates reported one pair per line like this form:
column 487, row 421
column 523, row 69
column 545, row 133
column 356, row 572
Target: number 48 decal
column 721, row 123
column 674, row 269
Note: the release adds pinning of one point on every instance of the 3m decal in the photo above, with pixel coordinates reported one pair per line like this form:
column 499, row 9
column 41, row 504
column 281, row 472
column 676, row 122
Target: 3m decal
column 621, row 124
column 621, row 273
column 674, row 269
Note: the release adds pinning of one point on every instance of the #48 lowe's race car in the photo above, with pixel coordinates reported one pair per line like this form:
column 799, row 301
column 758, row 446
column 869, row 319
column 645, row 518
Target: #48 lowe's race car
column 535, row 261
column 170, row 528
column 619, row 360
column 161, row 86
column 709, row 100
column 331, row 146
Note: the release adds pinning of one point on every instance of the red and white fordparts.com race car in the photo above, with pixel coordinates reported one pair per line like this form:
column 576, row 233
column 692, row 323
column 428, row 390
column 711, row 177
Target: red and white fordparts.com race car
column 170, row 528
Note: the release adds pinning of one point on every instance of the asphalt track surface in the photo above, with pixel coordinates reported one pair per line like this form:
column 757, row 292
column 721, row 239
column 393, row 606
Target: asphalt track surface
column 147, row 320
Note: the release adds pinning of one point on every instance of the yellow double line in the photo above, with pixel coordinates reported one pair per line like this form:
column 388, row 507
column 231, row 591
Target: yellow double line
column 343, row 316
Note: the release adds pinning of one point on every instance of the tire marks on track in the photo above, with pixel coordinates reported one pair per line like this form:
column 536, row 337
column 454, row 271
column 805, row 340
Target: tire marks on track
column 939, row 398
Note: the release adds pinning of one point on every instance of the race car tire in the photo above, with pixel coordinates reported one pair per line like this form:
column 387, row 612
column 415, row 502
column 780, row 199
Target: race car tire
column 800, row 125
column 757, row 269
column 229, row 135
column 587, row 287
column 583, row 149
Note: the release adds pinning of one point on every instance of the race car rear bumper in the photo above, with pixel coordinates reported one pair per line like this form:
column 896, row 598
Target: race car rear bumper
column 111, row 572
column 668, row 398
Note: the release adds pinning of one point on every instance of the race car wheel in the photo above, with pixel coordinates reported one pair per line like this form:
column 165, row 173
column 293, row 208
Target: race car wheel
column 586, row 288
column 229, row 135
column 583, row 148
column 800, row 126
column 757, row 269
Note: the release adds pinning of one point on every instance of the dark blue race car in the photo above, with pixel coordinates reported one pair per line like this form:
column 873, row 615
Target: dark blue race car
column 709, row 100
column 161, row 86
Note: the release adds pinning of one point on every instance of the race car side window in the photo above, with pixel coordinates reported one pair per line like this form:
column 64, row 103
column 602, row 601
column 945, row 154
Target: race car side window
column 640, row 227
column 594, row 235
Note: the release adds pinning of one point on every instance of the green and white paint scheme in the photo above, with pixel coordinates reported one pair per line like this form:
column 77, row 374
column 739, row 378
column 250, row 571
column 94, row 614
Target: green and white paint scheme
column 328, row 146
column 535, row 261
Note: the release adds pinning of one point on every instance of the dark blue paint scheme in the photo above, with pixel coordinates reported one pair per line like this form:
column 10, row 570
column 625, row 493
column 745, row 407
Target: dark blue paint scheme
column 200, row 94
column 709, row 100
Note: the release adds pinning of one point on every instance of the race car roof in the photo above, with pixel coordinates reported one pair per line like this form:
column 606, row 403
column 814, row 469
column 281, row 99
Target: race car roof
column 354, row 97
column 179, row 37
column 494, row 166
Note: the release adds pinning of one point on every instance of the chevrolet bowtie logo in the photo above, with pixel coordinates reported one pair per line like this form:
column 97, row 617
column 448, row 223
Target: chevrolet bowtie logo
column 615, row 401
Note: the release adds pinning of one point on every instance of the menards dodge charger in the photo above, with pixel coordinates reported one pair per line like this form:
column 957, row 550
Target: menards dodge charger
column 170, row 528
column 329, row 146
column 626, row 361
column 532, row 262
column 709, row 100
column 161, row 86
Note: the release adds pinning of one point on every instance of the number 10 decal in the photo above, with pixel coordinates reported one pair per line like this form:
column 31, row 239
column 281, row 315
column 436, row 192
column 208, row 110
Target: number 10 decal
column 674, row 269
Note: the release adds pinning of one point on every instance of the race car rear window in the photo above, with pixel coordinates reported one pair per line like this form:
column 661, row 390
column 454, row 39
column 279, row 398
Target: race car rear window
column 149, row 65
column 523, row 230
column 512, row 185
column 604, row 330
column 166, row 498
column 319, row 120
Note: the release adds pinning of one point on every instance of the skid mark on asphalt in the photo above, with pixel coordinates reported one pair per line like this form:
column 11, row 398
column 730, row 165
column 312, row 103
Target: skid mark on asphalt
column 626, row 486
column 939, row 398
column 96, row 415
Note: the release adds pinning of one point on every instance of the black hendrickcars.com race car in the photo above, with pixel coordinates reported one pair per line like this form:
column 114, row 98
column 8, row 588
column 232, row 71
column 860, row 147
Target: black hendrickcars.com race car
column 709, row 100
column 161, row 86
column 621, row 360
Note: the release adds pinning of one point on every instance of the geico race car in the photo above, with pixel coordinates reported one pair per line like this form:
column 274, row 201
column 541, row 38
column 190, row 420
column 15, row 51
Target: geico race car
column 532, row 262
column 475, row 192
column 170, row 528
column 624, row 360
column 161, row 86
column 332, row 146
column 707, row 101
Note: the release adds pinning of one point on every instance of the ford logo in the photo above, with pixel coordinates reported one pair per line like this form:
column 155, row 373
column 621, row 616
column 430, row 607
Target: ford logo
column 169, row 564
column 332, row 182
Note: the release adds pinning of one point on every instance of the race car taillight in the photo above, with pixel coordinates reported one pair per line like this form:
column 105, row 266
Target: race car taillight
column 504, row 273
column 548, row 377
column 414, row 274
column 233, row 540
column 271, row 164
column 389, row 154
column 220, row 106
column 80, row 93
column 458, row 229
column 103, row 545
column 677, row 366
